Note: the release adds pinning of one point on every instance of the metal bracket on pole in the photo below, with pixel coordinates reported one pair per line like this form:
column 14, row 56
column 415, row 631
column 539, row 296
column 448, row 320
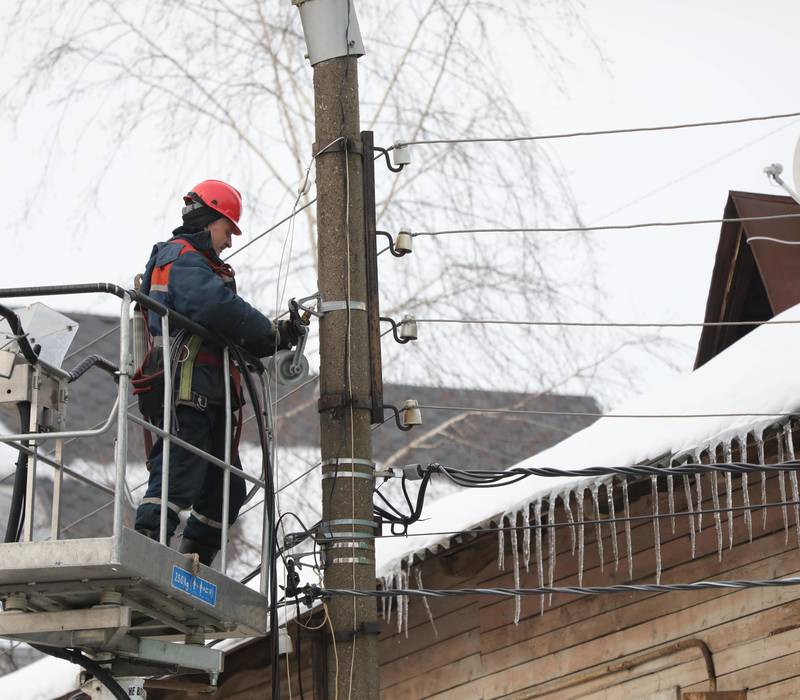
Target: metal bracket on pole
column 343, row 144
column 323, row 306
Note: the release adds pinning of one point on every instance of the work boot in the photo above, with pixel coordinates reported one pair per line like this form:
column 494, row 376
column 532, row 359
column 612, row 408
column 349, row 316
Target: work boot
column 150, row 534
column 205, row 552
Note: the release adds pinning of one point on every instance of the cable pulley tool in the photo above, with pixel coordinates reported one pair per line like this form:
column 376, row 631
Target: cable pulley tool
column 290, row 367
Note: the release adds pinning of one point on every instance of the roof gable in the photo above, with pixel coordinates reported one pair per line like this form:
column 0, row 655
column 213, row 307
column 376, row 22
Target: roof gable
column 751, row 281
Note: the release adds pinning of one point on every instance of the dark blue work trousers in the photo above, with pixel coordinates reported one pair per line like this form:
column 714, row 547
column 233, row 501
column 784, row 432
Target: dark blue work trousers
column 193, row 482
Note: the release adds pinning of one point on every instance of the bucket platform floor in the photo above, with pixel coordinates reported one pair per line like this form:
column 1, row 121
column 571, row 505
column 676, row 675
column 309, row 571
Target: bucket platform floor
column 111, row 593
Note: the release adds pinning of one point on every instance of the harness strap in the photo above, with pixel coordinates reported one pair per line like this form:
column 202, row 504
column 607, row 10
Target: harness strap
column 187, row 368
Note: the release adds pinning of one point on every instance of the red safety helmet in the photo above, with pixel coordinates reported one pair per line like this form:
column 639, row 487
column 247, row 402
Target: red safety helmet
column 216, row 195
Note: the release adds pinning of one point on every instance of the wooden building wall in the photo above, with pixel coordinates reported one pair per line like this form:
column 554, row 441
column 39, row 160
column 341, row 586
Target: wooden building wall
column 631, row 645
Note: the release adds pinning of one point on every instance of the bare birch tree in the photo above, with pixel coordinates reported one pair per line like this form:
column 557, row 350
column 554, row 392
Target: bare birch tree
column 230, row 76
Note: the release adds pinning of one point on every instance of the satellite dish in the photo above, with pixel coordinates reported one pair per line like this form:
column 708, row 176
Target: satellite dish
column 796, row 168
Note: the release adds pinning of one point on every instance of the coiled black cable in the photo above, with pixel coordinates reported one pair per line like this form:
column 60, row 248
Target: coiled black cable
column 269, row 504
column 74, row 656
column 22, row 340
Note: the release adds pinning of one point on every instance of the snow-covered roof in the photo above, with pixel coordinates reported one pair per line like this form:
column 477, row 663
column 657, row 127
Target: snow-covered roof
column 755, row 376
column 44, row 679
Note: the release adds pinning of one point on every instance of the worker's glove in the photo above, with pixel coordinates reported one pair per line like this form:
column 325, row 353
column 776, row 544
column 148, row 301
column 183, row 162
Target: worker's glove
column 288, row 335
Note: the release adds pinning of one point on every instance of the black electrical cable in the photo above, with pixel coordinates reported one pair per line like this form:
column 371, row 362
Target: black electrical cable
column 396, row 517
column 299, row 650
column 76, row 657
column 22, row 340
column 91, row 361
column 482, row 478
column 14, row 522
column 269, row 504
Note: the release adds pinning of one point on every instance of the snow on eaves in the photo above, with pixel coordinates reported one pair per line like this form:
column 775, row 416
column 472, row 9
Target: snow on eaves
column 756, row 375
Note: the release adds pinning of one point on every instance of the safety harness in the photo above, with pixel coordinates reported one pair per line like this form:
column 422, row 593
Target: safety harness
column 186, row 354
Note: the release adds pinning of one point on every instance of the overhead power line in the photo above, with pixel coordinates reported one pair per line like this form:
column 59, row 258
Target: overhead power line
column 86, row 346
column 601, row 132
column 294, row 213
column 484, row 478
column 568, row 590
column 607, row 324
column 609, row 227
column 594, row 414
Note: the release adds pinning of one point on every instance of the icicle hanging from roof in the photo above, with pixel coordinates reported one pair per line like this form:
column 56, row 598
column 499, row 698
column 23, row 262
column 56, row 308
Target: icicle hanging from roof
column 671, row 500
column 537, row 519
column 628, row 539
column 613, row 523
column 551, row 542
column 428, row 612
column 761, row 460
column 787, row 434
column 717, row 519
column 565, row 499
column 526, row 537
column 501, row 545
column 687, row 490
column 782, row 487
column 748, row 515
column 515, row 558
column 581, row 535
column 656, row 527
column 384, row 599
column 400, row 600
column 698, row 481
column 598, row 530
column 391, row 581
column 727, row 457
column 406, row 584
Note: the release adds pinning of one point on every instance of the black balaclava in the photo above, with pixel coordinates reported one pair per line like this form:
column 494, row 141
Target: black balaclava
column 196, row 220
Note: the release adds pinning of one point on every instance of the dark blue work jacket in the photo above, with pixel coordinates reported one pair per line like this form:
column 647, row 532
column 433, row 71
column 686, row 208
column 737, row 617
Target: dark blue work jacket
column 186, row 275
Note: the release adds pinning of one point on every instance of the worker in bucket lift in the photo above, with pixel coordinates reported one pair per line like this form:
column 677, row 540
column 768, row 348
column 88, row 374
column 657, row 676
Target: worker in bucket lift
column 187, row 275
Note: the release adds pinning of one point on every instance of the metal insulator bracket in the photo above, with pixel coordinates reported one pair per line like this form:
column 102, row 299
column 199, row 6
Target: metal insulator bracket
column 400, row 247
column 405, row 331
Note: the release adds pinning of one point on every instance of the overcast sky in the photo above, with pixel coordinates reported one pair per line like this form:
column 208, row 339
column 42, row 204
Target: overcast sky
column 666, row 62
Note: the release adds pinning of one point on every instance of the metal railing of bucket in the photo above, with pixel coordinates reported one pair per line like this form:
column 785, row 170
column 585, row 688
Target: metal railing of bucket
column 28, row 442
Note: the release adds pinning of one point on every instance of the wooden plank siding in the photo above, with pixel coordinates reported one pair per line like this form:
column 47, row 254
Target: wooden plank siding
column 628, row 645
column 542, row 653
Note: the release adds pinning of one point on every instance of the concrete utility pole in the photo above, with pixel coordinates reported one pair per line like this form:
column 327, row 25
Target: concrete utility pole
column 334, row 43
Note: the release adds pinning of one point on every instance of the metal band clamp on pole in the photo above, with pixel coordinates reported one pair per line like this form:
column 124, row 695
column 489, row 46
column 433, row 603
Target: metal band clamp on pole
column 341, row 305
column 347, row 521
column 348, row 473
